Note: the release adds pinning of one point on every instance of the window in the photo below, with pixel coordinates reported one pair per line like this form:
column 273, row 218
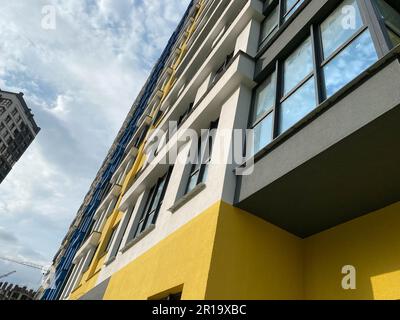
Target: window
column 141, row 137
column 390, row 14
column 269, row 26
column 329, row 58
column 262, row 120
column 186, row 114
column 290, row 7
column 154, row 201
column 222, row 69
column 14, row 112
column 173, row 297
column 199, row 169
column 299, row 96
column 347, row 52
column 277, row 13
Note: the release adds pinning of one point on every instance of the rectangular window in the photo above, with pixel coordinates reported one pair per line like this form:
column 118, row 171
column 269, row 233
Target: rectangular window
column 347, row 51
column 186, row 114
column 154, row 201
column 111, row 239
column 332, row 56
column 277, row 13
column 299, row 96
column 199, row 169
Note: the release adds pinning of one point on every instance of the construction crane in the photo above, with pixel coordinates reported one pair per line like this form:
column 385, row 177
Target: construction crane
column 7, row 274
column 23, row 263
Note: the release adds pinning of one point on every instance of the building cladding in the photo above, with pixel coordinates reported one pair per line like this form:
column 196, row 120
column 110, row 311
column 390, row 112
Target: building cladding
column 318, row 82
column 17, row 130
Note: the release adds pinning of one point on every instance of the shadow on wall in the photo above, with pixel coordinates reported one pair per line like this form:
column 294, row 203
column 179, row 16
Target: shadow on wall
column 253, row 259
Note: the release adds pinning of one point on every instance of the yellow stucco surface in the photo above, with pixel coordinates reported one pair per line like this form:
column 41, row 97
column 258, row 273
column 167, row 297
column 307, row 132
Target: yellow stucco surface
column 227, row 253
column 183, row 258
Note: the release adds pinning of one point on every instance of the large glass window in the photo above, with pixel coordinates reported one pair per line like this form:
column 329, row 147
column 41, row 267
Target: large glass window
column 390, row 13
column 337, row 51
column 347, row 47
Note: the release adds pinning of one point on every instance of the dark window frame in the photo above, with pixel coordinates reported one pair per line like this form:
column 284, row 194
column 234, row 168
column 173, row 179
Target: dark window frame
column 150, row 210
column 111, row 238
column 284, row 18
column 385, row 27
column 203, row 157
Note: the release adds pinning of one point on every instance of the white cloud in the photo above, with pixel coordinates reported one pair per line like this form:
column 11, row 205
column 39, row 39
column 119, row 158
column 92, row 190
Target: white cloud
column 80, row 80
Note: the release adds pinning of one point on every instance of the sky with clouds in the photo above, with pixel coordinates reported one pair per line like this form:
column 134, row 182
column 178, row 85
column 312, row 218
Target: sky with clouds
column 80, row 80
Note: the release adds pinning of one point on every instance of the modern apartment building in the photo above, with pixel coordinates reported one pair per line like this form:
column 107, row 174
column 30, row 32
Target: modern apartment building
column 310, row 211
column 17, row 130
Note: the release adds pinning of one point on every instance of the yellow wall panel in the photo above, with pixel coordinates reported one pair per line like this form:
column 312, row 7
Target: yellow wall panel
column 254, row 259
column 183, row 258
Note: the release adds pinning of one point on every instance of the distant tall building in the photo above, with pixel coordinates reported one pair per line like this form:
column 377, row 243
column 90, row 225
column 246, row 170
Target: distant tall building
column 318, row 84
column 14, row 292
column 17, row 130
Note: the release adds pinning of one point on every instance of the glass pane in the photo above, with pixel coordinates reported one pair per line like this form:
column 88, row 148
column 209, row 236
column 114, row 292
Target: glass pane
column 298, row 105
column 390, row 15
column 158, row 195
column 340, row 26
column 265, row 97
column 263, row 133
column 150, row 219
column 269, row 24
column 348, row 64
column 205, row 172
column 192, row 182
column 139, row 229
column 291, row 8
column 394, row 38
column 298, row 65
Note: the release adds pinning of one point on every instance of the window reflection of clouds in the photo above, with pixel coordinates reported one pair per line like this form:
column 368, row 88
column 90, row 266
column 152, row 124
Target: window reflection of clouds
column 394, row 38
column 298, row 65
column 298, row 105
column 334, row 31
column 348, row 64
column 289, row 7
column 263, row 133
column 265, row 96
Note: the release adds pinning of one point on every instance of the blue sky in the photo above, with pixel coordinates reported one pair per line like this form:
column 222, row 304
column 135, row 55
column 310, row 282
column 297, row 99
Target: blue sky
column 80, row 80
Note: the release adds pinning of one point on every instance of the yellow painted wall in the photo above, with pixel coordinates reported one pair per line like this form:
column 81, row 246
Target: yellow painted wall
column 254, row 259
column 226, row 253
column 183, row 258
column 370, row 243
